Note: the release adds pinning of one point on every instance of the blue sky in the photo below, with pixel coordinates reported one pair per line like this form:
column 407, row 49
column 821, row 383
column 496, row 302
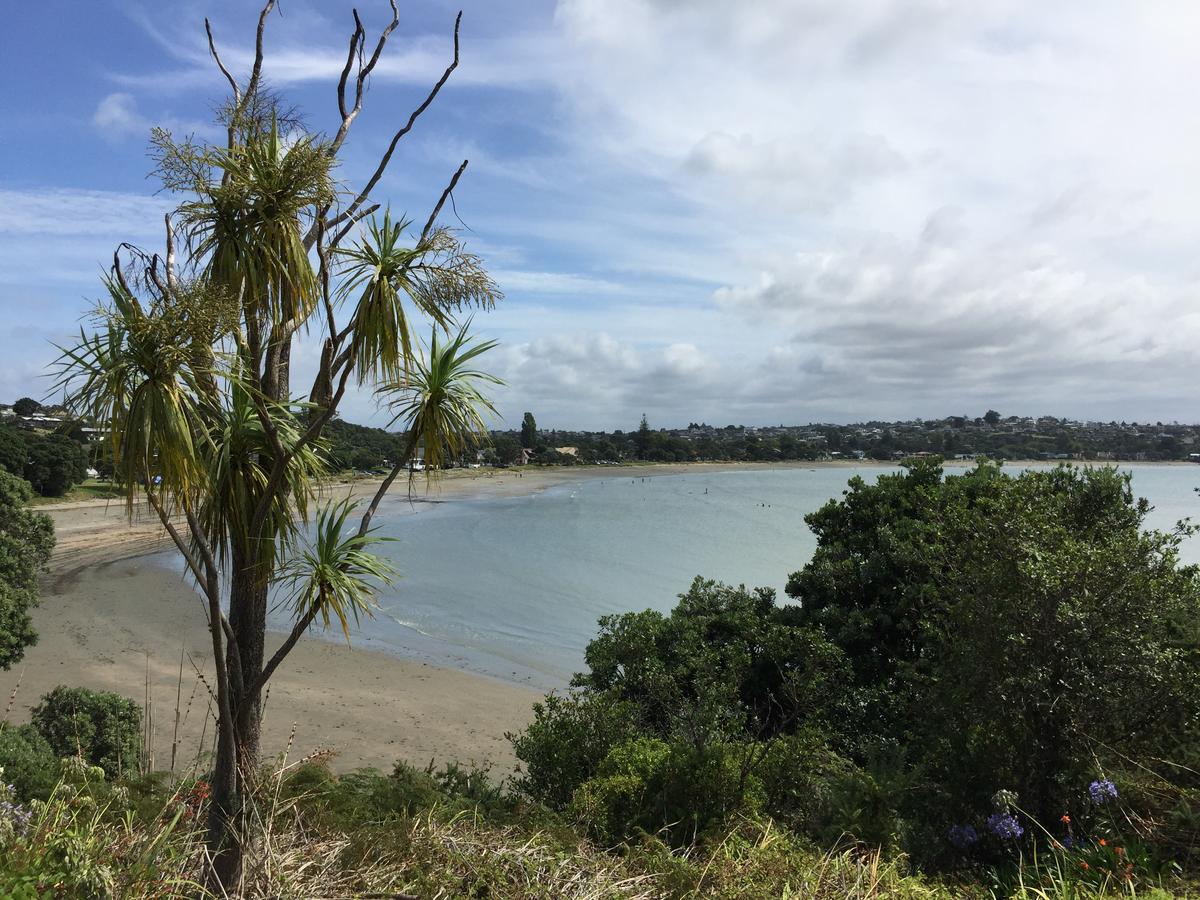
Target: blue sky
column 785, row 211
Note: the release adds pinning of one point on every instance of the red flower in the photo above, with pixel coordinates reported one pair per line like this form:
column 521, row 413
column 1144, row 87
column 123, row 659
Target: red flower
column 1066, row 820
column 1103, row 842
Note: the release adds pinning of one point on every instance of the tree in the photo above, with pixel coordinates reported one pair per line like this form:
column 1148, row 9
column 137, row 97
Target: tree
column 13, row 451
column 187, row 369
column 99, row 726
column 529, row 434
column 641, row 439
column 27, row 406
column 26, row 540
column 991, row 417
column 54, row 464
column 1005, row 632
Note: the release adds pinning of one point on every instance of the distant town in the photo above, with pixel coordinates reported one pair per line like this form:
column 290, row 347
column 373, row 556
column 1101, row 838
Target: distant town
column 53, row 450
column 954, row 437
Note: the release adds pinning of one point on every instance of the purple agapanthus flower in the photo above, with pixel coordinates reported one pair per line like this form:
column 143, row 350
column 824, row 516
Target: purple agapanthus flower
column 1005, row 826
column 18, row 815
column 1102, row 791
column 963, row 836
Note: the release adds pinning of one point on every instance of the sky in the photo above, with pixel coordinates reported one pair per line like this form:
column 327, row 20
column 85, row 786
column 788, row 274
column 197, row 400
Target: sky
column 754, row 213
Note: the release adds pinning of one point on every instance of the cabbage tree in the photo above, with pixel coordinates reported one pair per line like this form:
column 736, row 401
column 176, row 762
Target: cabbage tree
column 186, row 365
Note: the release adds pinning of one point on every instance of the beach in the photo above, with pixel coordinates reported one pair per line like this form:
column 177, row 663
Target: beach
column 110, row 619
column 113, row 618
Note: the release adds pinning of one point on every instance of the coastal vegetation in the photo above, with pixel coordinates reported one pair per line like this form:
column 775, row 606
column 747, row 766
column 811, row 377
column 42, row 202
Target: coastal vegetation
column 26, row 542
column 50, row 463
column 185, row 371
column 975, row 670
column 980, row 685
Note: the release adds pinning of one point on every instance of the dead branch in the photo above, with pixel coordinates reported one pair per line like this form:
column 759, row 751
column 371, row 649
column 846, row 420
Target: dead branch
column 172, row 282
column 354, row 220
column 357, row 43
column 412, row 119
column 256, row 71
column 442, row 201
column 212, row 49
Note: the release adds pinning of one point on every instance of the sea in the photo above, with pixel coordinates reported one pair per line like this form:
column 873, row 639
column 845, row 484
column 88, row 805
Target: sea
column 514, row 588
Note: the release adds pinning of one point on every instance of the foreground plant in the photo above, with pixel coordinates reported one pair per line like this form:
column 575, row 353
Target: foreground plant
column 187, row 369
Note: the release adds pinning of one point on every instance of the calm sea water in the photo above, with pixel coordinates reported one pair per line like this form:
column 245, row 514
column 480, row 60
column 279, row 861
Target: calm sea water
column 513, row 587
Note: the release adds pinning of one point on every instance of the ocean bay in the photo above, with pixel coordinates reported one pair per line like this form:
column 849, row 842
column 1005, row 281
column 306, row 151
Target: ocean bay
column 513, row 587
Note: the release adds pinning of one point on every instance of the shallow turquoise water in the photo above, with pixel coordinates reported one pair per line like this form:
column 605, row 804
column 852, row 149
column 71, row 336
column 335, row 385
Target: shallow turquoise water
column 514, row 587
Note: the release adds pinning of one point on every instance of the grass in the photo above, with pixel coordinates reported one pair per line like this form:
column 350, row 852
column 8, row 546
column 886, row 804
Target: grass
column 92, row 489
column 431, row 836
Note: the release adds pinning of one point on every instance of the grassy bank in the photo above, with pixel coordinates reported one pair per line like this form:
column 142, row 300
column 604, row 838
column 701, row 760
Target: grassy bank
column 436, row 835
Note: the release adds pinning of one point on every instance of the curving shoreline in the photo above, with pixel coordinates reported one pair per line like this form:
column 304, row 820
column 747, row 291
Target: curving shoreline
column 110, row 619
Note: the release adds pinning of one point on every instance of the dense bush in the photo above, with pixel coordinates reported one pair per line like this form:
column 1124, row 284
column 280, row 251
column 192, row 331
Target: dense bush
column 1019, row 633
column 26, row 541
column 13, row 451
column 953, row 640
column 28, row 763
column 54, row 464
column 101, row 727
column 677, row 713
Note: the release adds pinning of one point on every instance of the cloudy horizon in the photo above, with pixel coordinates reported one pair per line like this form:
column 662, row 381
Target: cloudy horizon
column 800, row 211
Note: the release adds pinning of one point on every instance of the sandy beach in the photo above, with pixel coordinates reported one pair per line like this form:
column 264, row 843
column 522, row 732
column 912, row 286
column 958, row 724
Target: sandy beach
column 112, row 619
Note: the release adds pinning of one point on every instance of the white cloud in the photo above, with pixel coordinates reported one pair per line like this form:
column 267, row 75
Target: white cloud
column 514, row 281
column 117, row 115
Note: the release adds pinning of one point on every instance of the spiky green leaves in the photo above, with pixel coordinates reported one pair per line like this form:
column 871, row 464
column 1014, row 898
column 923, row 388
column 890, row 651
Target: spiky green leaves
column 434, row 275
column 336, row 576
column 442, row 400
column 135, row 376
column 247, row 218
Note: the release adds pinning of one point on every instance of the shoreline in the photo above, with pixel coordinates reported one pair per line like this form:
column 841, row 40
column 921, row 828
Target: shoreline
column 110, row 619
column 99, row 531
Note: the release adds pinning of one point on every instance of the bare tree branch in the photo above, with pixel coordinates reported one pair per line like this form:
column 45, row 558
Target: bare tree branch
column 356, row 42
column 212, row 49
column 184, row 550
column 354, row 220
column 405, row 458
column 285, row 648
column 416, row 113
column 256, row 72
column 442, row 200
column 172, row 282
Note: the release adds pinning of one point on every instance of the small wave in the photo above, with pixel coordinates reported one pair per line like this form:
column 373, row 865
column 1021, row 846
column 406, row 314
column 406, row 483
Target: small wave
column 411, row 626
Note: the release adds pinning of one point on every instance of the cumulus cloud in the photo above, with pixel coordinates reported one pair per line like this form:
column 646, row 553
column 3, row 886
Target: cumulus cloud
column 790, row 209
column 117, row 117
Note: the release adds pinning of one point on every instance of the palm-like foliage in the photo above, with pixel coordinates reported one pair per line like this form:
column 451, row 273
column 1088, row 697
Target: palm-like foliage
column 336, row 576
column 133, row 376
column 193, row 386
column 435, row 275
column 441, row 402
column 237, row 466
column 246, row 220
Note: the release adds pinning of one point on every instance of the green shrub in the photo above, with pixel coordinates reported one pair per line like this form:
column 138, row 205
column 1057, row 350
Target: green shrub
column 566, row 742
column 29, row 764
column 102, row 727
column 54, row 464
column 682, row 791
